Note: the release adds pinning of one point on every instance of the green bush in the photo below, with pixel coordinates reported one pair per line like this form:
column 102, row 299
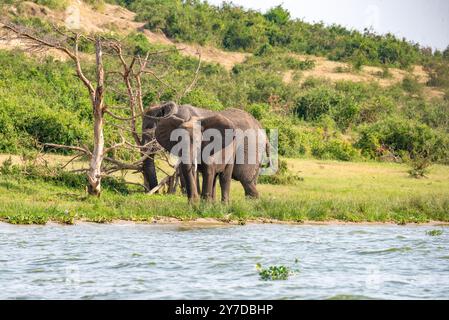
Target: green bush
column 334, row 149
column 40, row 102
column 296, row 64
column 282, row 177
column 259, row 110
column 376, row 108
column 278, row 15
column 292, row 142
column 433, row 113
column 7, row 133
column 405, row 138
column 264, row 50
column 322, row 101
column 316, row 102
column 411, row 85
column 52, row 126
column 439, row 73
column 53, row 4
column 202, row 99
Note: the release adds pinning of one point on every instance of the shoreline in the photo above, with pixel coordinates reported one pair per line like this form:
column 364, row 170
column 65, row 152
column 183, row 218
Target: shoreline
column 214, row 222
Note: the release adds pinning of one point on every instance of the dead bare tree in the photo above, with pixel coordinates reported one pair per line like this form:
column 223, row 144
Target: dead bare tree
column 34, row 42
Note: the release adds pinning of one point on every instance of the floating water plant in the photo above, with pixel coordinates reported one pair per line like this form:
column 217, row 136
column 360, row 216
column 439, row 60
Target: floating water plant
column 434, row 233
column 273, row 272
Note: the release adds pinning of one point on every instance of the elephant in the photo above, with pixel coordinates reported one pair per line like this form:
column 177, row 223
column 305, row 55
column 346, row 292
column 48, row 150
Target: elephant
column 235, row 163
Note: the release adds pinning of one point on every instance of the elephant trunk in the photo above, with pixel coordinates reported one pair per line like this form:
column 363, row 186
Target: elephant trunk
column 149, row 174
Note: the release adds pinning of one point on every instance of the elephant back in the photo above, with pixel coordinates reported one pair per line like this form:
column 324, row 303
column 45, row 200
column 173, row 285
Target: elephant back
column 186, row 111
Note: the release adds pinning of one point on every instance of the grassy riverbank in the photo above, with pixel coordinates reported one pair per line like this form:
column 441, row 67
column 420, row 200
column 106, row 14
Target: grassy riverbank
column 345, row 191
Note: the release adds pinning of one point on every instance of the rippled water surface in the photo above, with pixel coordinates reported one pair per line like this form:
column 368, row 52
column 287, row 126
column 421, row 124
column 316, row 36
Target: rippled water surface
column 128, row 261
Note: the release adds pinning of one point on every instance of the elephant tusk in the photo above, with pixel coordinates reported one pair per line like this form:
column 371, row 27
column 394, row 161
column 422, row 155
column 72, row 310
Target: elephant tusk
column 178, row 162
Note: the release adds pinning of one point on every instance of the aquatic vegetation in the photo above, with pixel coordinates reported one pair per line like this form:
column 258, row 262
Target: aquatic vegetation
column 273, row 272
column 27, row 219
column 67, row 218
column 434, row 233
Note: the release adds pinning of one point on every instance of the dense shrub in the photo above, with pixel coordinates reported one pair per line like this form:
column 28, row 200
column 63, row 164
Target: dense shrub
column 282, row 177
column 376, row 108
column 411, row 85
column 433, row 113
column 278, row 15
column 259, row 110
column 294, row 139
column 406, row 138
column 291, row 141
column 439, row 73
column 322, row 101
column 202, row 99
column 334, row 149
column 53, row 126
column 8, row 142
column 317, row 102
column 54, row 4
column 40, row 102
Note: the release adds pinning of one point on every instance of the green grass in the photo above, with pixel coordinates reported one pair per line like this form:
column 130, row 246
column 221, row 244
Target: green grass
column 345, row 191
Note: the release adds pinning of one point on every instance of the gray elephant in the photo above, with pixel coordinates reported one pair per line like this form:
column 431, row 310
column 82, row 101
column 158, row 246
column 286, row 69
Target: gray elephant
column 166, row 118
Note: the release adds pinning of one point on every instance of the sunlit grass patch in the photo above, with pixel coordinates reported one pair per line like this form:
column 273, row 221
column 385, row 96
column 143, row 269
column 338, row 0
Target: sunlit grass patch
column 349, row 192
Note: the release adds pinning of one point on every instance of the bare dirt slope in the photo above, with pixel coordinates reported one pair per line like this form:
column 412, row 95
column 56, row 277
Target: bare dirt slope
column 340, row 71
column 113, row 18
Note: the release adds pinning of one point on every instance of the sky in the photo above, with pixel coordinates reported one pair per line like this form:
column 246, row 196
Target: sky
column 422, row 21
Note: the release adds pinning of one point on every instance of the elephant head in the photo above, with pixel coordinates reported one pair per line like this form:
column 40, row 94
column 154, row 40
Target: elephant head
column 203, row 144
column 203, row 137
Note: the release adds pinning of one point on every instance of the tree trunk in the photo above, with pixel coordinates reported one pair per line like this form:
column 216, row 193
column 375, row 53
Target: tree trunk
column 94, row 173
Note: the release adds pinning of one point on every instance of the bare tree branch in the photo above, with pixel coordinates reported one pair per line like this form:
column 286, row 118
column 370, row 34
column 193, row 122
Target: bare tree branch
column 61, row 146
column 72, row 159
column 117, row 145
column 194, row 80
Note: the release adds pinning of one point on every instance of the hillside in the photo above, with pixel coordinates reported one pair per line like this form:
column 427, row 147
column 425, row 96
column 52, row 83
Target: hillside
column 116, row 19
column 326, row 105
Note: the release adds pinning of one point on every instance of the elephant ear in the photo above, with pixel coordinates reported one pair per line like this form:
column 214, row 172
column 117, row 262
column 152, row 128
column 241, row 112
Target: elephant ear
column 221, row 124
column 164, row 110
column 156, row 113
column 164, row 130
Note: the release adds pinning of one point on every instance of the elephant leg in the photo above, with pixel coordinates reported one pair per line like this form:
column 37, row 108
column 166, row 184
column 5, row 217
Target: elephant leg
column 189, row 178
column 198, row 185
column 225, row 184
column 208, row 181
column 250, row 190
column 182, row 180
column 214, row 183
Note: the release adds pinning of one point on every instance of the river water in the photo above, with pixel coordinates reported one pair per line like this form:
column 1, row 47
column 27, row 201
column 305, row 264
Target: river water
column 129, row 261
